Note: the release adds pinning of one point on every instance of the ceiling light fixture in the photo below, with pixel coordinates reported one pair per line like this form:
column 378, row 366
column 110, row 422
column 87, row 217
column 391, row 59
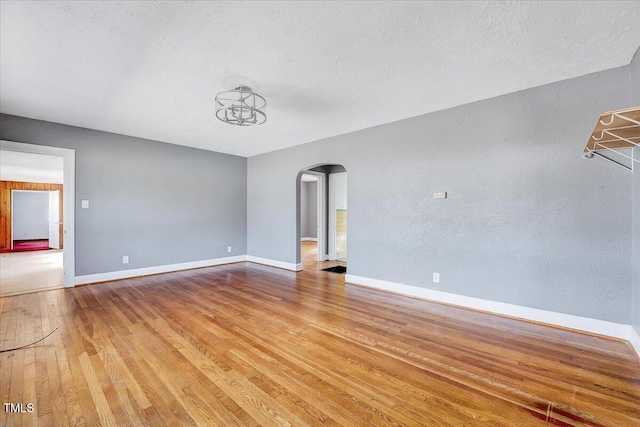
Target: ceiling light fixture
column 241, row 107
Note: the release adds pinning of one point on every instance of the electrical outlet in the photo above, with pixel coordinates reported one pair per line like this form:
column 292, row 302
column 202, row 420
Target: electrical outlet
column 436, row 277
column 125, row 259
column 228, row 248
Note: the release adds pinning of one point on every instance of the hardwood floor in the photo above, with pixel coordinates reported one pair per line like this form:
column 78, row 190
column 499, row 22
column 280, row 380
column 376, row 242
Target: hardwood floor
column 309, row 257
column 33, row 271
column 245, row 344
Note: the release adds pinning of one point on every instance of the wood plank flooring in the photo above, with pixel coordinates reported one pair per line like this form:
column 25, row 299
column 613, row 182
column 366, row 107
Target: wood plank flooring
column 251, row 345
column 24, row 272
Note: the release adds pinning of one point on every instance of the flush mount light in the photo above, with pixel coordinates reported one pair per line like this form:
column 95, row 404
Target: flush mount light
column 241, row 107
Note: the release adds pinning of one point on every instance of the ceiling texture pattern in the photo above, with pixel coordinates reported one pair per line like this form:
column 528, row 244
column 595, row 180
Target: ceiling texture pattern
column 152, row 69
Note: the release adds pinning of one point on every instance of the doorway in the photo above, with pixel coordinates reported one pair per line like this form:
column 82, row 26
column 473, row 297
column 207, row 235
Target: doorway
column 36, row 219
column 19, row 267
column 338, row 216
column 322, row 189
column 311, row 233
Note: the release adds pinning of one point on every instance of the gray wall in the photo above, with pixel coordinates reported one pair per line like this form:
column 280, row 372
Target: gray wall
column 634, row 71
column 30, row 215
column 304, row 210
column 309, row 208
column 158, row 203
column 528, row 221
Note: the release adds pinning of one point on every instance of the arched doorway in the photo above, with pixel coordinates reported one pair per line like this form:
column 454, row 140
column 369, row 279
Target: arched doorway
column 321, row 215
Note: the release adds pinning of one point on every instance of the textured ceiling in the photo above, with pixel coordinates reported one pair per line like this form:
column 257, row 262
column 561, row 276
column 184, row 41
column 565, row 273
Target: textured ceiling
column 152, row 69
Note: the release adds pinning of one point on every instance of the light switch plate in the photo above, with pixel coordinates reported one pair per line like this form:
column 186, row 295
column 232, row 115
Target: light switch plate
column 85, row 204
column 440, row 195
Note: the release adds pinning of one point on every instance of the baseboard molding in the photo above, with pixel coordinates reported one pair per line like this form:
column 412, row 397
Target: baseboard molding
column 595, row 326
column 309, row 239
column 273, row 263
column 125, row 274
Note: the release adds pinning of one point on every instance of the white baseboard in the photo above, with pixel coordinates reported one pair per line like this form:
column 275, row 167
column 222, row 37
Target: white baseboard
column 600, row 327
column 309, row 239
column 273, row 263
column 125, row 274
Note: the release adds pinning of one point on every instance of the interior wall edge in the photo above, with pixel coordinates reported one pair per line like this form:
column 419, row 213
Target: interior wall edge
column 634, row 88
column 275, row 263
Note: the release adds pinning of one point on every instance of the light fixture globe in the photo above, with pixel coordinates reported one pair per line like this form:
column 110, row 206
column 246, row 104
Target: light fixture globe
column 241, row 107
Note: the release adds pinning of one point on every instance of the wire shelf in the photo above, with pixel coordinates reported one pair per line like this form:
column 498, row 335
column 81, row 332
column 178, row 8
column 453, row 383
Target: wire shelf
column 614, row 137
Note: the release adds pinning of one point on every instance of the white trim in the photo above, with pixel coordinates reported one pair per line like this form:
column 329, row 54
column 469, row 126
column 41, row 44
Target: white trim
column 601, row 327
column 309, row 239
column 321, row 186
column 68, row 200
column 273, row 263
column 13, row 234
column 331, row 232
column 125, row 274
column 321, row 225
